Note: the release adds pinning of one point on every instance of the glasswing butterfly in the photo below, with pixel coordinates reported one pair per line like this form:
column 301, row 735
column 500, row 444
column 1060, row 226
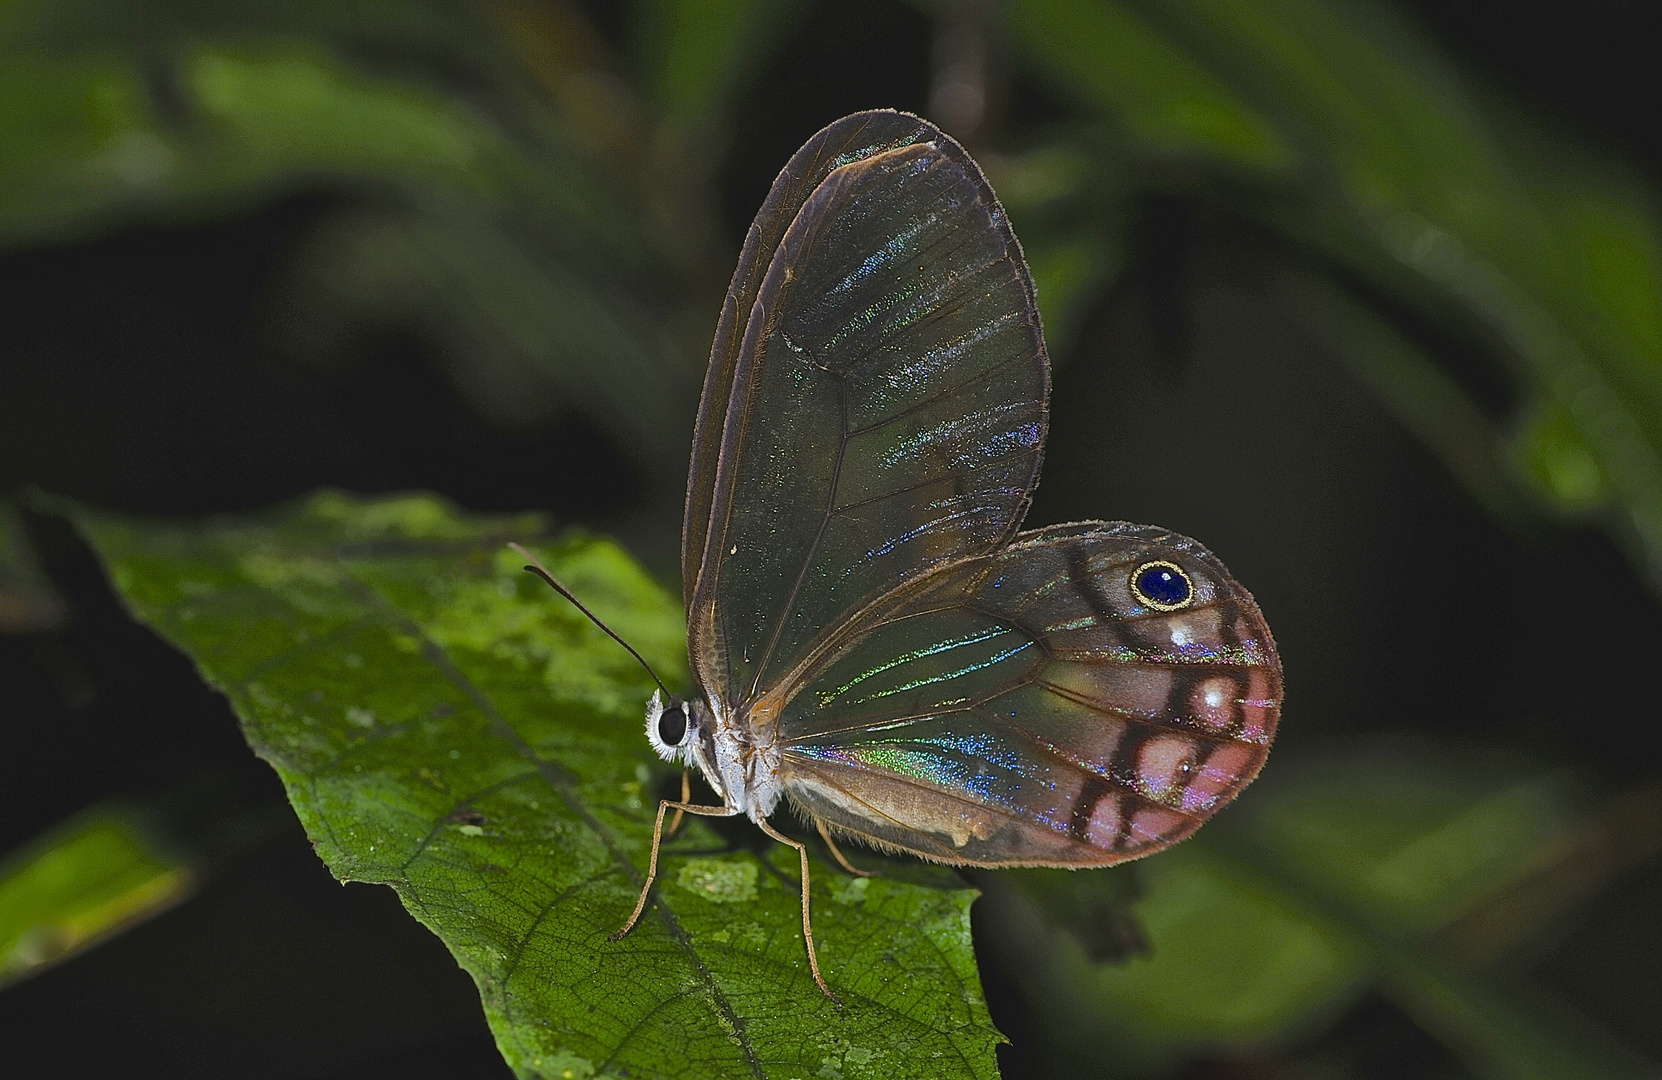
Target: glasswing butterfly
column 873, row 638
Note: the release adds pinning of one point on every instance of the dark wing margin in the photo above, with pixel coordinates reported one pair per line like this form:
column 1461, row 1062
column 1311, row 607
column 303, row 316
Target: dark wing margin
column 1024, row 708
column 849, row 139
column 885, row 410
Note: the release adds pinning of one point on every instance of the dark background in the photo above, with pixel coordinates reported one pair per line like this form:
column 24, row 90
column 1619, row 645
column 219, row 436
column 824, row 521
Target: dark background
column 136, row 374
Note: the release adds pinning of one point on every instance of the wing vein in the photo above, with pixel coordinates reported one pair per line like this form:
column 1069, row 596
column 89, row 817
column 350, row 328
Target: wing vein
column 938, row 479
column 808, row 556
column 1154, row 722
column 943, row 394
column 1050, row 750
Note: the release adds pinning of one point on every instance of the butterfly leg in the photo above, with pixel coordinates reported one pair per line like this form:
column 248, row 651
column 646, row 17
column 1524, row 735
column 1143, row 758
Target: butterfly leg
column 686, row 796
column 657, row 838
column 836, row 852
column 807, row 924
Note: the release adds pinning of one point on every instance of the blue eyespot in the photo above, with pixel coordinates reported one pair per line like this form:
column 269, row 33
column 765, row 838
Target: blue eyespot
column 1162, row 586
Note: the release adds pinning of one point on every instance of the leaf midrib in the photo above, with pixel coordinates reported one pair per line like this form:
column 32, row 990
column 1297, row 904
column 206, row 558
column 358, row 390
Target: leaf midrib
column 558, row 779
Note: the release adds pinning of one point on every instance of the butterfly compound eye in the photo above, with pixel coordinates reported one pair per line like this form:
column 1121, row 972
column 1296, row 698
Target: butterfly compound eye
column 672, row 725
column 1162, row 586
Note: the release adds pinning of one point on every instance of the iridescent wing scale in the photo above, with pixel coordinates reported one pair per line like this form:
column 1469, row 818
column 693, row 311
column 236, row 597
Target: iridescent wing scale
column 1025, row 707
column 883, row 412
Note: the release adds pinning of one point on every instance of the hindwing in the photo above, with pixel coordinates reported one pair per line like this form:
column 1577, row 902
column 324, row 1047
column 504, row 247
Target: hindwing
column 1026, row 707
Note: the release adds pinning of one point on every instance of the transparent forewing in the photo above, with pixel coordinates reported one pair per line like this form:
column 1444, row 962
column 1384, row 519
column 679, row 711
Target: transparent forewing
column 1027, row 708
column 887, row 410
column 849, row 139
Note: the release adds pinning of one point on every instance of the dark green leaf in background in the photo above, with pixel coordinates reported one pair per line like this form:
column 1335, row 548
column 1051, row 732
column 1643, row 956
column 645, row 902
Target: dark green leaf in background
column 93, row 876
column 697, row 51
column 527, row 229
column 446, row 726
column 1363, row 865
column 1350, row 135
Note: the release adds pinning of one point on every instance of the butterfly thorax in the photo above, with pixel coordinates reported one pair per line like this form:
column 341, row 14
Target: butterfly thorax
column 739, row 760
column 748, row 767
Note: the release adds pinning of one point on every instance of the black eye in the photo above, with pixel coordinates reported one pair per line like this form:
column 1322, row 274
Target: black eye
column 1162, row 586
column 672, row 725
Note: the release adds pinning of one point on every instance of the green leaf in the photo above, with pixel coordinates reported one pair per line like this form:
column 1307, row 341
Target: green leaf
column 1551, row 451
column 1402, row 836
column 445, row 725
column 278, row 102
column 79, row 139
column 1230, row 961
column 699, row 50
column 283, row 106
column 89, row 878
column 1105, row 52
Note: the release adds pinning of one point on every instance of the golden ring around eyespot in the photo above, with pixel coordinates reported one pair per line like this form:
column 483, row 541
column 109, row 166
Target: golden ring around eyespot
column 1149, row 601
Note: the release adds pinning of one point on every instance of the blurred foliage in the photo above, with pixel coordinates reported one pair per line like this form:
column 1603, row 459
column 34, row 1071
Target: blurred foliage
column 1343, row 131
column 89, row 878
column 513, row 204
column 542, row 210
column 28, row 603
column 446, row 725
column 1367, row 864
column 539, row 204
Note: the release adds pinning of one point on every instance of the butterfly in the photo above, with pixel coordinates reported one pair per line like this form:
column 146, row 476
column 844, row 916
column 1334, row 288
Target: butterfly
column 873, row 639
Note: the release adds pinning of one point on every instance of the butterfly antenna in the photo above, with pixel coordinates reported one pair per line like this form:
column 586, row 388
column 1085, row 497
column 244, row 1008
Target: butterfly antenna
column 536, row 567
